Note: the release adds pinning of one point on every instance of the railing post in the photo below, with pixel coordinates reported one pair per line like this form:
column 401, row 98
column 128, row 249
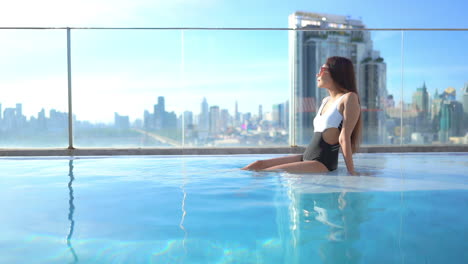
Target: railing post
column 70, row 109
column 292, row 98
column 182, row 76
column 402, row 83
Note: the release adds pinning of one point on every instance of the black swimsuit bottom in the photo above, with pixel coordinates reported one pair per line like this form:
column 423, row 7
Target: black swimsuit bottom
column 320, row 150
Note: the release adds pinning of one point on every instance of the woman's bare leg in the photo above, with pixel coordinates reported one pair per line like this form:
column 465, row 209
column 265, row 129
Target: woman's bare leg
column 263, row 164
column 311, row 166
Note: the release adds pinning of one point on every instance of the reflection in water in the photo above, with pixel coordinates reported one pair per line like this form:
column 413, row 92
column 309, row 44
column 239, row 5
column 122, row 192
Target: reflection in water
column 326, row 226
column 71, row 211
column 184, row 213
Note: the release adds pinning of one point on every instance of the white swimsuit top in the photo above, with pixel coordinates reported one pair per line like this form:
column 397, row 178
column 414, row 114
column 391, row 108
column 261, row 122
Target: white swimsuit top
column 331, row 118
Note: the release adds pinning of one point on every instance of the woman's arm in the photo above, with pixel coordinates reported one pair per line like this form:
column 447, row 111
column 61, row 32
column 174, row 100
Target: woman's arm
column 351, row 113
column 263, row 164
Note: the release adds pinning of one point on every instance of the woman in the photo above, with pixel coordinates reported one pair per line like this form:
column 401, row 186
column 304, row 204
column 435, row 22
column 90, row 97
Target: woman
column 337, row 123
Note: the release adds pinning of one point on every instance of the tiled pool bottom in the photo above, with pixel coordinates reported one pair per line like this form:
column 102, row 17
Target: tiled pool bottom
column 203, row 209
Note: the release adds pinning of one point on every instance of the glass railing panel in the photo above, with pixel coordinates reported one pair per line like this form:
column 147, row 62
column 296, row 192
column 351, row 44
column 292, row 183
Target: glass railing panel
column 435, row 88
column 237, row 88
column 376, row 58
column 33, row 88
column 127, row 88
column 379, row 85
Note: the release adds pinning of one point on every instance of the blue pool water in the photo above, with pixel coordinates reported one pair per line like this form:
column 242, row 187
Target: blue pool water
column 412, row 208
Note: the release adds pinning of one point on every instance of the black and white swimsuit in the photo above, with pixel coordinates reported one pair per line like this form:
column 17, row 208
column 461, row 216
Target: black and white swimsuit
column 318, row 149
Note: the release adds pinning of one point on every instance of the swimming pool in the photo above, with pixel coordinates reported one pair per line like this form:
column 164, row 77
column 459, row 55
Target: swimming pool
column 203, row 209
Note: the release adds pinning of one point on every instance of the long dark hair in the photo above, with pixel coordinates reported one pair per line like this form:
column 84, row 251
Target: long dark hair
column 342, row 72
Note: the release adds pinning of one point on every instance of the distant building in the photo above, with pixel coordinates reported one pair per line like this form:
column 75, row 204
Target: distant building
column 160, row 113
column 260, row 112
column 58, row 121
column 188, row 119
column 465, row 99
column 421, row 100
column 372, row 89
column 236, row 115
column 170, row 120
column 148, row 120
column 121, row 122
column 420, row 104
column 225, row 119
column 450, row 116
column 286, row 115
column 9, row 119
column 204, row 122
column 278, row 115
column 215, row 120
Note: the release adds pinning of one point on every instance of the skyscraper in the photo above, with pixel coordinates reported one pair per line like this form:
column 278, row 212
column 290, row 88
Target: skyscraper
column 215, row 120
column 278, row 115
column 121, row 122
column 188, row 119
column 373, row 92
column 224, row 119
column 260, row 112
column 19, row 110
column 421, row 100
column 236, row 115
column 9, row 119
column 465, row 99
column 308, row 50
column 450, row 116
column 204, row 117
column 160, row 113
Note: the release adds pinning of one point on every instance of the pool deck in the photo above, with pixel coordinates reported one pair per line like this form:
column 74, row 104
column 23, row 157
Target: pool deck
column 215, row 150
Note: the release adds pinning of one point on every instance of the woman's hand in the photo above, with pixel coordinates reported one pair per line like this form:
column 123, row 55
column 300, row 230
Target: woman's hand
column 257, row 165
column 355, row 173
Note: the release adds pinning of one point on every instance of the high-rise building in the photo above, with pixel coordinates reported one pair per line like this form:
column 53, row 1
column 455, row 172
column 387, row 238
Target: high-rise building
column 9, row 119
column 188, row 119
column 465, row 99
column 308, row 50
column 214, row 120
column 278, row 115
column 260, row 112
column 57, row 121
column 224, row 119
column 204, row 122
column 148, row 120
column 421, row 100
column 286, row 115
column 161, row 104
column 160, row 113
column 41, row 120
column 19, row 110
column 236, row 115
column 450, row 116
column 373, row 92
column 170, row 120
column 121, row 122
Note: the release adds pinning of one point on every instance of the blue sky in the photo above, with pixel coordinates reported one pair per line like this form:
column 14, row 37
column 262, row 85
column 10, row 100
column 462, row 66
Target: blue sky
column 123, row 71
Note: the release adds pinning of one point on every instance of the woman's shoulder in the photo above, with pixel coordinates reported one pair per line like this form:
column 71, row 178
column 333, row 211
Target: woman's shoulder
column 326, row 98
column 351, row 96
column 350, row 101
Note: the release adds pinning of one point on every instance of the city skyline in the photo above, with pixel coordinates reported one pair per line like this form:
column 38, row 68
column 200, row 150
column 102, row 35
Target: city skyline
column 459, row 97
column 432, row 119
